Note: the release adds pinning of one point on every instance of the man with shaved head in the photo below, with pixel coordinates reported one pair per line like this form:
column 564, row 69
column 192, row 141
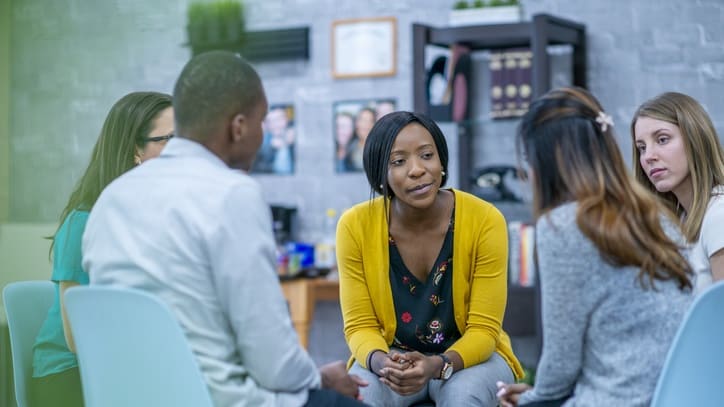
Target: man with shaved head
column 199, row 236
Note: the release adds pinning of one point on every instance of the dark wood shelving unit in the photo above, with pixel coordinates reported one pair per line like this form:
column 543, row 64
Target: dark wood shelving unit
column 538, row 34
column 522, row 316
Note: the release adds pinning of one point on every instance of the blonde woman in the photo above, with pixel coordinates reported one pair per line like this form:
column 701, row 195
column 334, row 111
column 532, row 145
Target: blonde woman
column 678, row 156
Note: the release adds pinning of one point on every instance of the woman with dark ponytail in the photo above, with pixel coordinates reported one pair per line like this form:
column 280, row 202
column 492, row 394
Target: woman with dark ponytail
column 614, row 283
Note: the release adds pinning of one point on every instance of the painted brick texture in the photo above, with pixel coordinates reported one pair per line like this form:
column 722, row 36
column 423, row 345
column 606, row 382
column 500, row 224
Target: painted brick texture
column 72, row 59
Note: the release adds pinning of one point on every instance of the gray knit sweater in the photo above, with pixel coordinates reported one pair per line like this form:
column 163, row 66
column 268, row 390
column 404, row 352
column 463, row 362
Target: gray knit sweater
column 605, row 338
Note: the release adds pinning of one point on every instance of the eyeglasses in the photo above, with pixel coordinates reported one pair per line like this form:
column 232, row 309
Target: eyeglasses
column 159, row 138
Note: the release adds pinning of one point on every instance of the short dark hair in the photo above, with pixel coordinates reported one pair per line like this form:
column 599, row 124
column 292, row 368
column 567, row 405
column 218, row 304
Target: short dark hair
column 378, row 146
column 212, row 86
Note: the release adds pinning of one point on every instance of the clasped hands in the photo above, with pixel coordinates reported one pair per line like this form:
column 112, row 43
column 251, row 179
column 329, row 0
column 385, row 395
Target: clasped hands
column 405, row 373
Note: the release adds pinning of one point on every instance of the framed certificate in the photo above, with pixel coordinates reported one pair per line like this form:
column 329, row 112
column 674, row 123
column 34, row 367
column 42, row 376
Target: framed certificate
column 365, row 47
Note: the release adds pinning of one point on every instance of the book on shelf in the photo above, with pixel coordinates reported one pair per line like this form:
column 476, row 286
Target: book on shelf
column 496, row 83
column 521, row 263
column 510, row 82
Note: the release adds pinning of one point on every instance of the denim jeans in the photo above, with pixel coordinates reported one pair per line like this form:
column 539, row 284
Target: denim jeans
column 473, row 386
column 330, row 398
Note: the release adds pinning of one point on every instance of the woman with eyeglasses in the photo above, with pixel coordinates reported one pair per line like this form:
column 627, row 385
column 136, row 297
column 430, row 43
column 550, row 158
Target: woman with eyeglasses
column 614, row 282
column 136, row 129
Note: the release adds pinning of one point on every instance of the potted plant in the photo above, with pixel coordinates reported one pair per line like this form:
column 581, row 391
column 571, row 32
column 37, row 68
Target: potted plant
column 215, row 25
column 485, row 12
column 461, row 5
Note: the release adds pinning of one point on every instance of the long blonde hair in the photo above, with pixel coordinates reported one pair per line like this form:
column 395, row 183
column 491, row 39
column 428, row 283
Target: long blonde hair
column 703, row 153
column 574, row 157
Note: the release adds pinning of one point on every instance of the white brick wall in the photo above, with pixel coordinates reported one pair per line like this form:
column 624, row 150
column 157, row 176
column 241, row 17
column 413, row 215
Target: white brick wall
column 71, row 59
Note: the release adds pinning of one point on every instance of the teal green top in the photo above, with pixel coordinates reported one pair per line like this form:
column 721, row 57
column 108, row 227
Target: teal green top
column 50, row 352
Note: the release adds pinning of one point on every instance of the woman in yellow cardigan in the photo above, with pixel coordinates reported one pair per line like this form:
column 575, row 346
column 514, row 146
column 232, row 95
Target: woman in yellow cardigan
column 423, row 277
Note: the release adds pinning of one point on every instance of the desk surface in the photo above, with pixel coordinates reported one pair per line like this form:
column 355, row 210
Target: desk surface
column 302, row 295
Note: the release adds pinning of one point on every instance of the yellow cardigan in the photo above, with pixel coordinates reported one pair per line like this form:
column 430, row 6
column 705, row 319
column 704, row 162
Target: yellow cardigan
column 480, row 273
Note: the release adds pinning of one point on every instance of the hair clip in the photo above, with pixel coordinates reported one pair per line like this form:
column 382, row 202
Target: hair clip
column 604, row 120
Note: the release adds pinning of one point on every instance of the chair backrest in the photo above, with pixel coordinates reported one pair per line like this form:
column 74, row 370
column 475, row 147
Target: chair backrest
column 691, row 375
column 26, row 306
column 131, row 350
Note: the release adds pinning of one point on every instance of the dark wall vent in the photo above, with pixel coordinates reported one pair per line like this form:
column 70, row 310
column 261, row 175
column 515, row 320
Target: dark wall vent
column 276, row 45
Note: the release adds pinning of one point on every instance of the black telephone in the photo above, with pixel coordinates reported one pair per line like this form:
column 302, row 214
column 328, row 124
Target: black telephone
column 492, row 183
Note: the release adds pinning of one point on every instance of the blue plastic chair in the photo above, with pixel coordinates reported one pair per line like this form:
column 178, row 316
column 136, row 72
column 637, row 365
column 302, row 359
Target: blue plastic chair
column 691, row 375
column 132, row 351
column 26, row 306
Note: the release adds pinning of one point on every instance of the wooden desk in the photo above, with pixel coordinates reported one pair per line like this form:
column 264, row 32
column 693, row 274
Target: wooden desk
column 302, row 295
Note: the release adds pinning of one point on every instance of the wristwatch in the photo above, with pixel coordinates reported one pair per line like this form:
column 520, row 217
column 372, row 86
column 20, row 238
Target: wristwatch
column 447, row 367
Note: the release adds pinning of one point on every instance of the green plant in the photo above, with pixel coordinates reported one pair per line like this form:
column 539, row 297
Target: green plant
column 215, row 25
column 478, row 4
column 461, row 5
column 230, row 13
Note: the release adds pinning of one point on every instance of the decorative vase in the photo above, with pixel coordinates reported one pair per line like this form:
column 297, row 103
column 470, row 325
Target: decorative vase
column 485, row 15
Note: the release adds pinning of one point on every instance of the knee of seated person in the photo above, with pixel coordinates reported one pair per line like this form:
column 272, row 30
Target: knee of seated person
column 464, row 393
column 475, row 386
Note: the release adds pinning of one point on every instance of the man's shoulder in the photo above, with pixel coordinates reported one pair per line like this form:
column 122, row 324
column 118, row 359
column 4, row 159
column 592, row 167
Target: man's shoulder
column 201, row 174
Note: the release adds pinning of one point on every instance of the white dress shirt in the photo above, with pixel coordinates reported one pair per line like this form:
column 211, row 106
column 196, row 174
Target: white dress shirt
column 197, row 234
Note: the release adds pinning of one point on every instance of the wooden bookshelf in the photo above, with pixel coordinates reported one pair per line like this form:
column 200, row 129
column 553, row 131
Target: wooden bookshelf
column 544, row 30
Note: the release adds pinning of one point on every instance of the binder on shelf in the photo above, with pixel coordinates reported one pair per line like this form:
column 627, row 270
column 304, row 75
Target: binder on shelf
column 521, row 267
column 514, row 251
column 510, row 89
column 511, row 75
column 522, row 79
column 527, row 247
column 497, row 81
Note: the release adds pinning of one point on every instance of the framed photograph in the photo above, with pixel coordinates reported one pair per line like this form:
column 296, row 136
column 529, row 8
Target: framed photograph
column 276, row 154
column 353, row 121
column 364, row 47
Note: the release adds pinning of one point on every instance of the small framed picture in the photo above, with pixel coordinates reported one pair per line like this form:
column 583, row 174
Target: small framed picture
column 276, row 154
column 364, row 47
column 353, row 121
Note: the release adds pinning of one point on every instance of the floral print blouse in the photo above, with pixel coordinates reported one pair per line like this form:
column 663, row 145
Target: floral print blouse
column 424, row 309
